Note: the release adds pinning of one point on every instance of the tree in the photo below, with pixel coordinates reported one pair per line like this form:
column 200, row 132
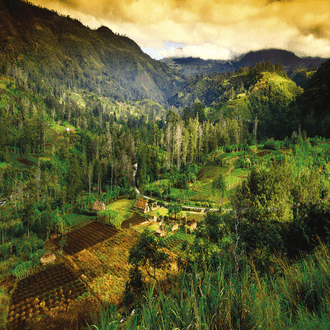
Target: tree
column 141, row 175
column 90, row 177
column 211, row 228
column 174, row 209
column 28, row 214
column 219, row 185
column 37, row 176
column 147, row 253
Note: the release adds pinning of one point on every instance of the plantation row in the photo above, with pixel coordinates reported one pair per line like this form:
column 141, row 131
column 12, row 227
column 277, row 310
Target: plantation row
column 87, row 236
column 52, row 288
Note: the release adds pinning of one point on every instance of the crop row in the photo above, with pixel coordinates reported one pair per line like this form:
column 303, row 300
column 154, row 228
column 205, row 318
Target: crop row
column 87, row 236
column 174, row 242
column 43, row 291
column 134, row 220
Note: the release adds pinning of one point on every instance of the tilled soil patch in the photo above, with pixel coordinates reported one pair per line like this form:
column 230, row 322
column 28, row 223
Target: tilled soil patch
column 134, row 220
column 25, row 161
column 86, row 237
column 48, row 292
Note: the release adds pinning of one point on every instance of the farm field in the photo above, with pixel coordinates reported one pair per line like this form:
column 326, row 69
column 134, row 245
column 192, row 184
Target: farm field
column 86, row 237
column 198, row 216
column 122, row 206
column 174, row 242
column 152, row 226
column 78, row 220
column 133, row 221
column 161, row 211
column 48, row 292
column 235, row 167
column 106, row 265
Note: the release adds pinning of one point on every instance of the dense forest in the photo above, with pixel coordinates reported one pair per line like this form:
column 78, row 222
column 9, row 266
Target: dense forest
column 166, row 202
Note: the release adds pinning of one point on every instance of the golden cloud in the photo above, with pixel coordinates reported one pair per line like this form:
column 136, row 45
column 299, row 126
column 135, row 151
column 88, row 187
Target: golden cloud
column 228, row 26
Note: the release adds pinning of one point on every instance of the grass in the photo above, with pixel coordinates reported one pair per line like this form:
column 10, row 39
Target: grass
column 4, row 306
column 297, row 299
column 161, row 211
column 77, row 219
column 123, row 206
column 151, row 226
column 105, row 265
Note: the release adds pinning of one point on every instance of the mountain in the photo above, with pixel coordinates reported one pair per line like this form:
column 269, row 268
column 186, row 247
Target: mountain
column 193, row 65
column 289, row 60
column 263, row 91
column 313, row 106
column 57, row 52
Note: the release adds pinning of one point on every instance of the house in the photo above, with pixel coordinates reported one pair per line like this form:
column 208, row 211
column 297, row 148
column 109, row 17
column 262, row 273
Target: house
column 67, row 129
column 153, row 205
column 47, row 258
column 142, row 205
column 98, row 206
column 160, row 233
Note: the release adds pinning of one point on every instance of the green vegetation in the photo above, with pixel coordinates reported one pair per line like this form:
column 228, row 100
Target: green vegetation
column 235, row 151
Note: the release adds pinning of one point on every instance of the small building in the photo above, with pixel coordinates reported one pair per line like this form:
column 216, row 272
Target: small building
column 160, row 233
column 67, row 129
column 153, row 205
column 192, row 224
column 175, row 227
column 47, row 258
column 98, row 206
column 142, row 205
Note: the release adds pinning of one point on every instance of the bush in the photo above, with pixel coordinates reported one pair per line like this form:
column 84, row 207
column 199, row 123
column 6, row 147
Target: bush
column 271, row 145
column 111, row 217
column 23, row 269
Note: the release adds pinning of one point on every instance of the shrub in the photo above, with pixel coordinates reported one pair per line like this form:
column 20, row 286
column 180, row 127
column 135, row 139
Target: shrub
column 110, row 216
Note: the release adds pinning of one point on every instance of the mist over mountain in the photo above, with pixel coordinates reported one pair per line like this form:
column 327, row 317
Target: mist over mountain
column 194, row 65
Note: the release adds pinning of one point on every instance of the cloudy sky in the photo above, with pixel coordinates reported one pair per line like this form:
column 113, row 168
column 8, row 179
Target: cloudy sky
column 210, row 29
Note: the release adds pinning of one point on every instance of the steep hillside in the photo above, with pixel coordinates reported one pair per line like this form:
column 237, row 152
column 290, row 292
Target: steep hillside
column 268, row 99
column 313, row 105
column 263, row 91
column 58, row 53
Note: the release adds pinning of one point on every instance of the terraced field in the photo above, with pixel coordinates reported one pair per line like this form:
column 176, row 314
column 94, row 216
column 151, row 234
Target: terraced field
column 134, row 220
column 49, row 291
column 175, row 241
column 106, row 265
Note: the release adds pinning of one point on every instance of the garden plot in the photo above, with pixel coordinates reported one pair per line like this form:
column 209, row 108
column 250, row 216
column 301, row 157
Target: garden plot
column 25, row 161
column 106, row 265
column 86, row 237
column 49, row 291
column 175, row 241
column 134, row 220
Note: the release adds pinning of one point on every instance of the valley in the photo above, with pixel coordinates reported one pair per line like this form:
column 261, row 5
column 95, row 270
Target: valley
column 173, row 194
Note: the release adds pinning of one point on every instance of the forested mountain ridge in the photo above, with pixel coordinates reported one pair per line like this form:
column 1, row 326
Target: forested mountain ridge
column 263, row 91
column 194, row 65
column 313, row 106
column 58, row 53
